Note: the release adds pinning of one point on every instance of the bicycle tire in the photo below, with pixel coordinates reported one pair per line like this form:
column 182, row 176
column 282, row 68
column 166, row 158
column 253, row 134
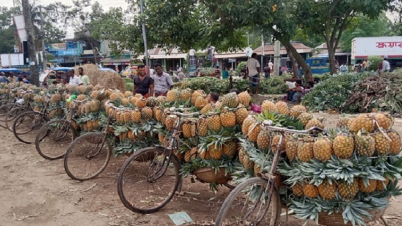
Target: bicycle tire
column 68, row 135
column 79, row 156
column 24, row 132
column 238, row 192
column 138, row 161
column 12, row 115
column 3, row 113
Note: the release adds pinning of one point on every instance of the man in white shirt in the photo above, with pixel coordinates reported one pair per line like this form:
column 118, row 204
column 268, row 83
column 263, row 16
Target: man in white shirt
column 162, row 81
column 74, row 80
column 271, row 66
column 253, row 72
column 385, row 65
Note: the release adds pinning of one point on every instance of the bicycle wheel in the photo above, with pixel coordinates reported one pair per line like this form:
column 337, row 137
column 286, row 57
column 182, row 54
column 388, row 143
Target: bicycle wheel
column 87, row 156
column 3, row 113
column 12, row 115
column 27, row 124
column 148, row 180
column 53, row 139
column 247, row 205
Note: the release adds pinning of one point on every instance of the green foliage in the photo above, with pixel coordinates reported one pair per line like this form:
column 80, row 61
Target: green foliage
column 7, row 29
column 375, row 61
column 332, row 93
column 240, row 66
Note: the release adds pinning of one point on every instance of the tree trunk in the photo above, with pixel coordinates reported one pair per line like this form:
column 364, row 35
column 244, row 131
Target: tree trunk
column 31, row 43
column 293, row 62
column 300, row 60
column 331, row 57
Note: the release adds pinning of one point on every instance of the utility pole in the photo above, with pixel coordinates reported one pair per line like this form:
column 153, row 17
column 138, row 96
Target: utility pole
column 277, row 57
column 144, row 36
column 33, row 67
column 262, row 52
column 44, row 59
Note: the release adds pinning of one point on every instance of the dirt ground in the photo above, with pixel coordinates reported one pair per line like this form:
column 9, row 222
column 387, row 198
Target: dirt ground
column 35, row 191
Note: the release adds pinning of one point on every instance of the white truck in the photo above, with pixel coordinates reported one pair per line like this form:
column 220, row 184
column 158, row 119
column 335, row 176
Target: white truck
column 390, row 46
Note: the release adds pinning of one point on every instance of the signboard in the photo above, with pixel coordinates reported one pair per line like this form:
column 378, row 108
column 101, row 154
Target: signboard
column 232, row 60
column 377, row 46
column 12, row 59
column 57, row 46
column 249, row 51
column 20, row 24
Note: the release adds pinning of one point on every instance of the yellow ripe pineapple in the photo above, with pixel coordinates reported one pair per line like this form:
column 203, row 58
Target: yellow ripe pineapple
column 202, row 127
column 120, row 117
column 322, row 150
column 124, row 102
column 158, row 113
column 310, row 190
column 36, row 108
column 82, row 89
column 327, row 190
column 128, row 94
column 244, row 159
column 282, row 108
column 215, row 152
column 291, row 149
column 228, row 118
column 127, row 116
column 382, row 144
column 131, row 136
column 186, row 128
column 89, row 126
column 161, row 137
column 230, row 100
column 141, row 103
column 253, row 131
column 214, row 122
column 297, row 110
column 190, row 155
column 305, row 118
column 343, row 122
column 383, row 120
column 241, row 114
column 185, row 94
column 230, row 148
column 55, row 98
column 96, row 124
column 305, row 150
column 275, row 142
column 146, row 113
column 203, row 154
column 348, row 190
column 133, row 100
column 173, row 95
column 152, row 102
column 195, row 95
column 268, row 106
column 395, row 146
column 364, row 145
column 121, row 95
column 247, row 123
column 136, row 116
column 206, row 108
column 382, row 185
column 372, row 185
column 170, row 122
column 200, row 102
column 343, row 146
column 95, row 105
column 114, row 96
column 298, row 190
column 363, row 122
column 244, row 98
column 315, row 122
column 263, row 140
column 52, row 113
column 138, row 95
column 257, row 169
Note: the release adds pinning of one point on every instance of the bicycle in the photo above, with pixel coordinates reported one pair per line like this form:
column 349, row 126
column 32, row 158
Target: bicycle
column 18, row 108
column 260, row 191
column 88, row 155
column 55, row 135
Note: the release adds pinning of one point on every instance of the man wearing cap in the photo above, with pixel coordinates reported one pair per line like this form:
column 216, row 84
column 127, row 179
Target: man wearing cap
column 385, row 65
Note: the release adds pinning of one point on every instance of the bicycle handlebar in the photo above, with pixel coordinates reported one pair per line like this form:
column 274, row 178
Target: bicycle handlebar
column 175, row 111
column 268, row 124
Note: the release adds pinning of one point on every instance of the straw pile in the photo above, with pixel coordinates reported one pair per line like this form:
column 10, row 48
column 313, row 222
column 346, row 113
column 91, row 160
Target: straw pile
column 106, row 79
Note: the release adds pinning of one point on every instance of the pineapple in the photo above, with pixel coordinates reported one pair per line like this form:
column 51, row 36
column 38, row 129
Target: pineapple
column 127, row 117
column 327, row 190
column 228, row 118
column 364, row 145
column 291, row 149
column 56, row 98
column 298, row 189
column 310, row 190
column 230, row 148
column 119, row 117
column 128, row 94
column 214, row 122
column 305, row 150
column 195, row 95
column 95, row 105
column 275, row 142
column 124, row 102
column 161, row 137
column 246, row 124
column 362, row 123
column 171, row 122
column 157, row 111
column 297, row 110
column 138, row 95
column 230, row 100
column 245, row 159
column 203, row 154
column 89, row 126
column 253, row 131
column 200, row 102
column 395, row 146
column 146, row 113
column 263, row 140
column 152, row 102
column 173, row 95
column 372, row 185
column 114, row 97
column 348, row 190
column 136, row 116
column 133, row 101
column 343, row 146
column 282, row 108
column 206, row 108
column 322, row 150
column 384, row 121
column 185, row 94
column 187, row 128
column 305, row 118
column 178, row 155
column 202, row 127
column 141, row 103
column 268, row 106
column 190, row 155
column 82, row 89
column 343, row 122
column 241, row 115
column 382, row 185
column 244, row 98
column 215, row 151
column 96, row 124
column 382, row 144
column 315, row 122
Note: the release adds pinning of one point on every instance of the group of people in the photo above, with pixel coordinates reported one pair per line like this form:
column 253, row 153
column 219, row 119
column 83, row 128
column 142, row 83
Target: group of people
column 11, row 78
column 72, row 79
column 157, row 84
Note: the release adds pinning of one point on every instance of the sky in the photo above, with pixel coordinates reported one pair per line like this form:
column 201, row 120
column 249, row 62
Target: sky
column 106, row 4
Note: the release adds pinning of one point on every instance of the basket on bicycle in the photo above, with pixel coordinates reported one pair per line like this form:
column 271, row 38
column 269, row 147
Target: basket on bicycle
column 208, row 175
column 336, row 219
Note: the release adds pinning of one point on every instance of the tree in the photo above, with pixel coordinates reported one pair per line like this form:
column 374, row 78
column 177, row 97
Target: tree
column 7, row 29
column 329, row 18
column 33, row 68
